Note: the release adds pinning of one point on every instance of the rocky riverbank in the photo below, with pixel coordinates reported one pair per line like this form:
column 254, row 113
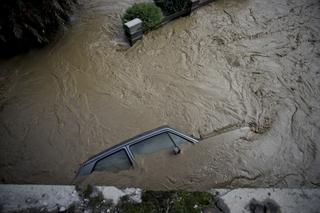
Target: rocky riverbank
column 66, row 198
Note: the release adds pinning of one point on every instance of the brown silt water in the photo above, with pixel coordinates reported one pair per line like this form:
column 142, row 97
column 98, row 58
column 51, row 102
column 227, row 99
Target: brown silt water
column 249, row 64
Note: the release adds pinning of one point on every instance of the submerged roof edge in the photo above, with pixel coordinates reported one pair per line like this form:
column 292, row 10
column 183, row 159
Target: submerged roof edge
column 137, row 138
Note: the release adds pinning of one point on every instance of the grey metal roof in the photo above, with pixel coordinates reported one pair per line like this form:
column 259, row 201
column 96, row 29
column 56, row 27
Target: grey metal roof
column 125, row 144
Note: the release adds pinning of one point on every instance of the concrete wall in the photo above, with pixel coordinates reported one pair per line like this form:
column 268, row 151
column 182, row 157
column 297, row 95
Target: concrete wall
column 59, row 198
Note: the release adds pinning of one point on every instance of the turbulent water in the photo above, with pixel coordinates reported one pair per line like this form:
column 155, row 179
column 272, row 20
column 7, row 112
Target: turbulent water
column 249, row 62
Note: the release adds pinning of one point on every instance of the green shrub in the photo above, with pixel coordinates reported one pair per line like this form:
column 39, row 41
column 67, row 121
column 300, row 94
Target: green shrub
column 172, row 6
column 168, row 201
column 149, row 13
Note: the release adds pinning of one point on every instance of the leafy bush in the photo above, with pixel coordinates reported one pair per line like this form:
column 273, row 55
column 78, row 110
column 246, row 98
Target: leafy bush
column 172, row 6
column 149, row 14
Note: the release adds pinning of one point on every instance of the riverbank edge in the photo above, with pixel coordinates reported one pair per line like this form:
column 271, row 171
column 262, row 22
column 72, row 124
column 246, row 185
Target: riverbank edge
column 61, row 198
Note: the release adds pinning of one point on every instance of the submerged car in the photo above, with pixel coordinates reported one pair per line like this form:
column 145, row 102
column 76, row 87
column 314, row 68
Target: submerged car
column 122, row 156
column 165, row 158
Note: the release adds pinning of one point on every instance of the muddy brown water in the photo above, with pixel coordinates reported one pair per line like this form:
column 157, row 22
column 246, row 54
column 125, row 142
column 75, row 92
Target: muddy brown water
column 250, row 62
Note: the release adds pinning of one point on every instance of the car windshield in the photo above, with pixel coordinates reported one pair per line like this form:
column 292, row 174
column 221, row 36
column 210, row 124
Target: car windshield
column 114, row 162
column 153, row 144
column 177, row 139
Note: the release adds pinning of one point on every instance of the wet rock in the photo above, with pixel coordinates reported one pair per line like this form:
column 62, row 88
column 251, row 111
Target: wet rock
column 31, row 201
column 267, row 206
column 52, row 209
column 62, row 209
column 212, row 210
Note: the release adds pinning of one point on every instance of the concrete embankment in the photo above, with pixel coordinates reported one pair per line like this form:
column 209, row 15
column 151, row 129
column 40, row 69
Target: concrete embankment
column 60, row 198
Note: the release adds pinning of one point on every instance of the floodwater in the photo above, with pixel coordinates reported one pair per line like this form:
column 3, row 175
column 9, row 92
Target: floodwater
column 248, row 63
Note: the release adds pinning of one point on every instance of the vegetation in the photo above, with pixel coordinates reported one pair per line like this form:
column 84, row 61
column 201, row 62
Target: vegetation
column 93, row 199
column 152, row 201
column 172, row 6
column 169, row 201
column 149, row 14
column 32, row 23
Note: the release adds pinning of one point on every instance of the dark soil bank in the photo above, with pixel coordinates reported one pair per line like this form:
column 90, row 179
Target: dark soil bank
column 28, row 24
